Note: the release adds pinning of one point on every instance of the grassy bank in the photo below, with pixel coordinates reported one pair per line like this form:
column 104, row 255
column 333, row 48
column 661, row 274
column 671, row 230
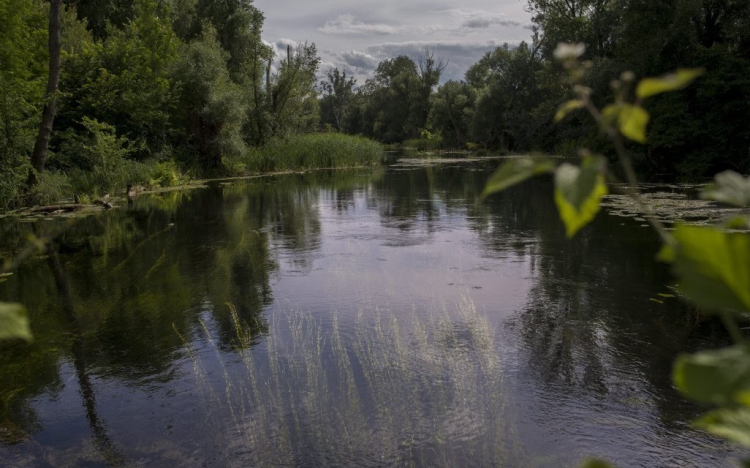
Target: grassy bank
column 110, row 171
column 113, row 179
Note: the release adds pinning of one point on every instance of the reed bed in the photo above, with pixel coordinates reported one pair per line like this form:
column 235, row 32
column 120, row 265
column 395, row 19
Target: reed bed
column 314, row 151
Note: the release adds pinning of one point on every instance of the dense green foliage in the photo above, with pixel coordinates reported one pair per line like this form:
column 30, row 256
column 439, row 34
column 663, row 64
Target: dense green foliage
column 393, row 106
column 147, row 88
column 23, row 67
column 191, row 82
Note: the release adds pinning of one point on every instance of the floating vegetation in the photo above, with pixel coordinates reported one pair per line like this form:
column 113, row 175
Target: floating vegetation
column 409, row 163
column 670, row 207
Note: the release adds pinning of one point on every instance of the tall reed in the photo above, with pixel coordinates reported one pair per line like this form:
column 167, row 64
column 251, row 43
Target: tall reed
column 382, row 389
column 312, row 151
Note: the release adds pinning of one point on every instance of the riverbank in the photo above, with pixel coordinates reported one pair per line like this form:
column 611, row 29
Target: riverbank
column 113, row 174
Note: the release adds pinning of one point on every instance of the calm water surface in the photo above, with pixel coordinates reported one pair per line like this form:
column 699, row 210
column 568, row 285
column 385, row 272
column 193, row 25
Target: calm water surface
column 353, row 318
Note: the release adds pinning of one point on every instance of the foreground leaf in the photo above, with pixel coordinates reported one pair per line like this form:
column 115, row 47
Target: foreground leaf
column 631, row 121
column 516, row 171
column 738, row 222
column 13, row 322
column 720, row 377
column 731, row 424
column 567, row 108
column 578, row 193
column 730, row 188
column 713, row 267
column 673, row 82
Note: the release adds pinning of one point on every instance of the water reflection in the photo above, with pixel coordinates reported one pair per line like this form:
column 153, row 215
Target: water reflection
column 383, row 318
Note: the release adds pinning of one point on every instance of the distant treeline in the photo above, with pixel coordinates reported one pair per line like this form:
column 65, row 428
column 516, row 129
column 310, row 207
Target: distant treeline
column 508, row 99
column 153, row 90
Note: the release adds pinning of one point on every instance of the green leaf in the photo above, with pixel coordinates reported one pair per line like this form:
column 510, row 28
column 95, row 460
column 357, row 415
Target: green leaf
column 516, row 171
column 720, row 377
column 567, row 108
column 630, row 120
column 730, row 188
column 738, row 222
column 673, row 82
column 713, row 267
column 579, row 191
column 633, row 122
column 596, row 464
column 731, row 424
column 13, row 322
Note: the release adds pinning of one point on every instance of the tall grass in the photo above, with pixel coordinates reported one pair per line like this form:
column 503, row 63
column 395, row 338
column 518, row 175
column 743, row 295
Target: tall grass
column 310, row 151
column 383, row 390
column 56, row 186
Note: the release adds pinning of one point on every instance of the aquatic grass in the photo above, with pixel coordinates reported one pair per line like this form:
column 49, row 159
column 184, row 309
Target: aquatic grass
column 379, row 388
column 309, row 151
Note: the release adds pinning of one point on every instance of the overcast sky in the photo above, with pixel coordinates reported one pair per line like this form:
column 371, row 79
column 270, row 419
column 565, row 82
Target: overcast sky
column 356, row 35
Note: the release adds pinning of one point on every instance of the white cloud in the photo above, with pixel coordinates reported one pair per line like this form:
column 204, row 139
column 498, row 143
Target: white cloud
column 348, row 24
column 464, row 23
column 359, row 60
column 355, row 36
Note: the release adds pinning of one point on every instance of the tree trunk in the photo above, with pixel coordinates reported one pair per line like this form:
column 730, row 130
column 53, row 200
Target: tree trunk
column 48, row 115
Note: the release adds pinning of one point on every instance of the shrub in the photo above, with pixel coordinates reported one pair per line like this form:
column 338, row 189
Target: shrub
column 164, row 174
column 51, row 187
column 97, row 163
column 97, row 158
column 15, row 172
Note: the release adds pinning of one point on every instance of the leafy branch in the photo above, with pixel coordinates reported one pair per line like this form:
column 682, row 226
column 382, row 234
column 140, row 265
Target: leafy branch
column 711, row 263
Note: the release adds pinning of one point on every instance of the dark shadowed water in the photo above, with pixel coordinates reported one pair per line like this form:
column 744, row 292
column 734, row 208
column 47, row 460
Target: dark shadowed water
column 348, row 319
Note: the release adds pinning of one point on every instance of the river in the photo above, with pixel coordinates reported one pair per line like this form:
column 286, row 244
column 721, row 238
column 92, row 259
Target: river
column 352, row 318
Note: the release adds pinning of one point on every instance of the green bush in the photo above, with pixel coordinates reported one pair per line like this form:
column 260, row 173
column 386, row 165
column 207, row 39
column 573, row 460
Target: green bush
column 15, row 173
column 97, row 158
column 310, row 151
column 164, row 174
column 97, row 163
column 51, row 187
